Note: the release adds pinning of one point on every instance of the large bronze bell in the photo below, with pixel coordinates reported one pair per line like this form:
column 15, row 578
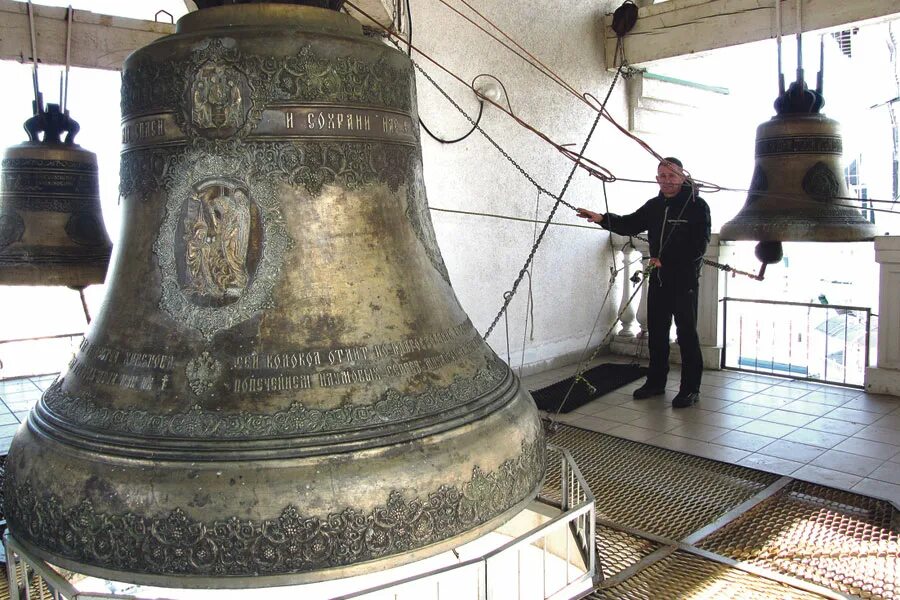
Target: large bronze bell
column 798, row 191
column 281, row 385
column 51, row 226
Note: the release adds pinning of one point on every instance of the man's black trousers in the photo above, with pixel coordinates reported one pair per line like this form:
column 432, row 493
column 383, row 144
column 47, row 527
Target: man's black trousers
column 664, row 304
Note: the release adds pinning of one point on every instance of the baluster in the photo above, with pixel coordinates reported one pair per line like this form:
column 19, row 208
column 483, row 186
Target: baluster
column 626, row 311
column 644, row 249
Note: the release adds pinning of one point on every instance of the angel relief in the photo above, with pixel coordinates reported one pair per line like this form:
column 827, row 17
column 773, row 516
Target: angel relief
column 217, row 228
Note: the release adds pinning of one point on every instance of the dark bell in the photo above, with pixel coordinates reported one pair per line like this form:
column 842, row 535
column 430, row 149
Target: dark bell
column 798, row 191
column 51, row 226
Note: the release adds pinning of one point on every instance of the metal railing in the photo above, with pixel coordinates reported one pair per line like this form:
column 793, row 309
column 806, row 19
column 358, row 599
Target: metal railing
column 553, row 560
column 827, row 343
column 27, row 357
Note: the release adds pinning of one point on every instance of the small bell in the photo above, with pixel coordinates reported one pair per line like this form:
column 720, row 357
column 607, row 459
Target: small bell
column 51, row 226
column 798, row 191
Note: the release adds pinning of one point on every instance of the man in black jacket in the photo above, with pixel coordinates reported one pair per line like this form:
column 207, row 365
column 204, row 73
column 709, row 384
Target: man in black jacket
column 678, row 225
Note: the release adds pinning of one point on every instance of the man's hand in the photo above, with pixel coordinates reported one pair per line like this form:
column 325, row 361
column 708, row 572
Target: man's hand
column 654, row 262
column 589, row 215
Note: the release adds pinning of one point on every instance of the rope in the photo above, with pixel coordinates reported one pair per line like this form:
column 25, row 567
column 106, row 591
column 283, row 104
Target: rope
column 578, row 374
column 613, row 273
column 506, row 323
column 529, row 304
column 529, row 310
column 508, row 218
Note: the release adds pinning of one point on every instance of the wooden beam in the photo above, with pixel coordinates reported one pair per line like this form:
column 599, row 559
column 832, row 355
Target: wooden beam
column 681, row 27
column 98, row 41
column 380, row 10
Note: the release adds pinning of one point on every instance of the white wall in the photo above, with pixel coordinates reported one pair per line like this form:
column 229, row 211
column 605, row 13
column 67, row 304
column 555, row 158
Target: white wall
column 484, row 255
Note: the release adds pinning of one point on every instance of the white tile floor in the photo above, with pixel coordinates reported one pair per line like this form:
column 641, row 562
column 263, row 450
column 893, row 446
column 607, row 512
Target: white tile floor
column 835, row 436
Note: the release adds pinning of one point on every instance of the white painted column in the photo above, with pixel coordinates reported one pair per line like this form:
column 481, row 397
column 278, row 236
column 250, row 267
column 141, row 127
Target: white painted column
column 884, row 377
column 632, row 340
column 626, row 309
column 709, row 311
column 644, row 248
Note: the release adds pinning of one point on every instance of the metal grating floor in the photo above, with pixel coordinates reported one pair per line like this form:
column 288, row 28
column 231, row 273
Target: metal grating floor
column 655, row 490
column 836, row 539
column 673, row 526
column 677, row 526
column 682, row 575
column 37, row 587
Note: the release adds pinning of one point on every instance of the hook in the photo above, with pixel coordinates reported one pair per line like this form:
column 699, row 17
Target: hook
column 164, row 12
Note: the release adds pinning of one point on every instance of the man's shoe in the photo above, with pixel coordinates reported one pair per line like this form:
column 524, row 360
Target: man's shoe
column 647, row 390
column 685, row 399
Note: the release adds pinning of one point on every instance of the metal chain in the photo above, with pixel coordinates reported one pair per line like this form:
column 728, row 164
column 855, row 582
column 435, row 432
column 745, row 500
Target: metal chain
column 508, row 296
column 559, row 200
column 579, row 374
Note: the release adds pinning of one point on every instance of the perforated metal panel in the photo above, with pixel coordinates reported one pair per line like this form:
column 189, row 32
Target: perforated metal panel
column 655, row 490
column 844, row 541
column 682, row 575
column 617, row 550
column 837, row 540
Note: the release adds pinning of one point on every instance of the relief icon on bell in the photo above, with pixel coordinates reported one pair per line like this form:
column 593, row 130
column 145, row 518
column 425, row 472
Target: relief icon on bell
column 218, row 257
column 217, row 100
column 281, row 386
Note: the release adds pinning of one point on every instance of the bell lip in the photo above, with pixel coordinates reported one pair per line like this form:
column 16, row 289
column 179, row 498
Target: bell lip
column 38, row 276
column 286, row 579
column 320, row 20
column 816, row 233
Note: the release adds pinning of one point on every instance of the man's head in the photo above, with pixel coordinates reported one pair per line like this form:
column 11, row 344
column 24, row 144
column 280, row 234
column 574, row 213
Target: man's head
column 670, row 176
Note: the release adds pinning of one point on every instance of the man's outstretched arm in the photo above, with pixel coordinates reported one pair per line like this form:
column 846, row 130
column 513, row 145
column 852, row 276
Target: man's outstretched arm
column 632, row 224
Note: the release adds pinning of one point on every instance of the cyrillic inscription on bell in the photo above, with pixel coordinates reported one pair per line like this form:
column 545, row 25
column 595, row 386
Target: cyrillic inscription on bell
column 281, row 386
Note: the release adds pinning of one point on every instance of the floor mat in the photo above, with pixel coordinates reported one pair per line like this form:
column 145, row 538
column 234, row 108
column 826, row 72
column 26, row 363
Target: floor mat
column 602, row 379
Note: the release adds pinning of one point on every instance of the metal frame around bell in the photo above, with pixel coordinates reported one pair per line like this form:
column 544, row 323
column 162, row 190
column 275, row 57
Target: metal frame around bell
column 577, row 520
